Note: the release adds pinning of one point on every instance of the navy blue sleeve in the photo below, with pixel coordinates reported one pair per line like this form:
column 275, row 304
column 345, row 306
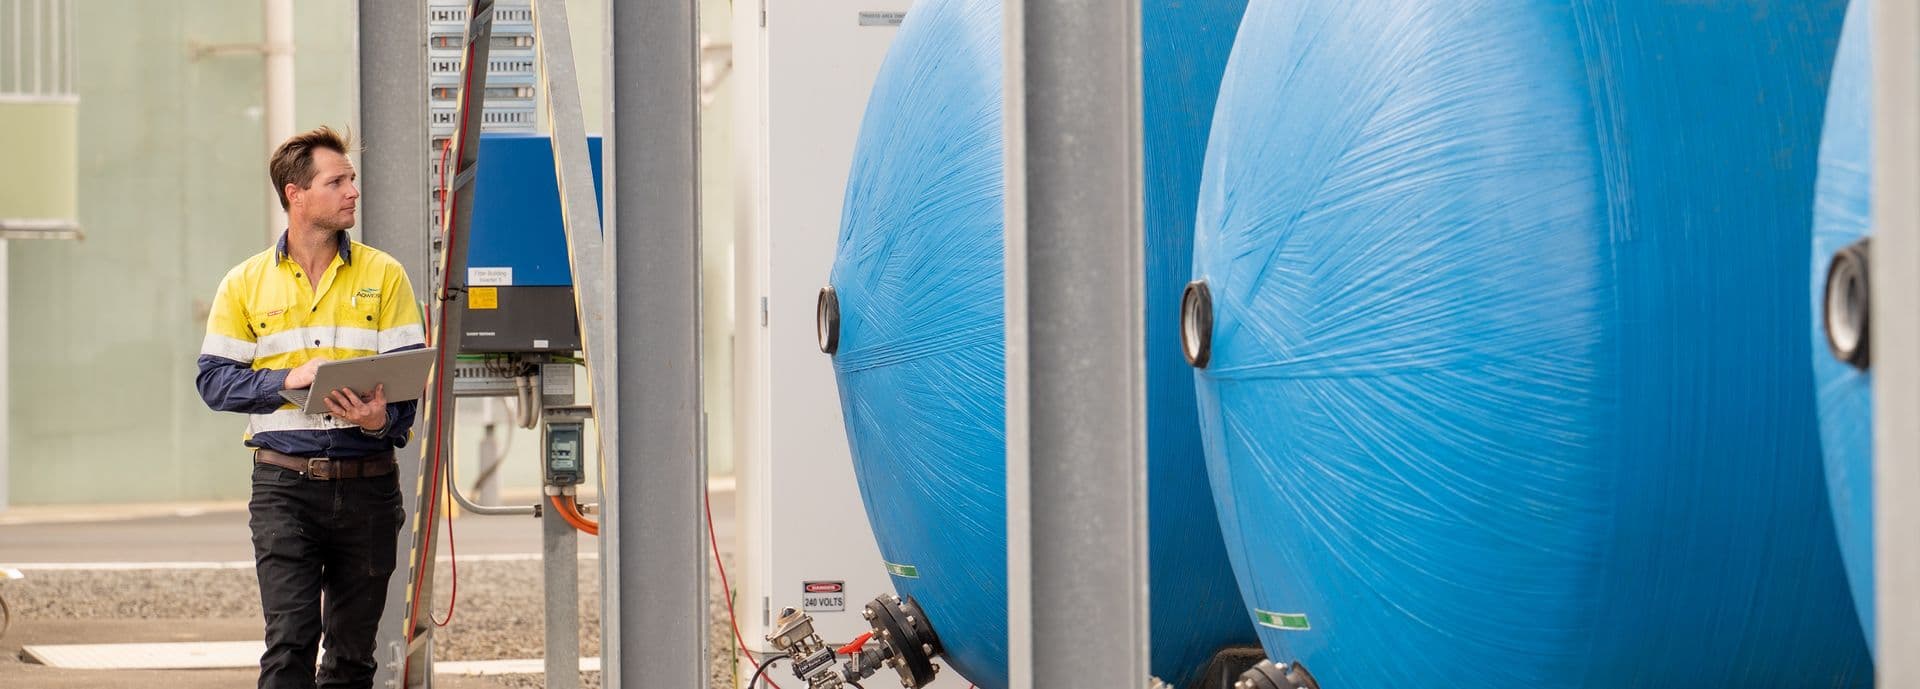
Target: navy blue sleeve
column 229, row 385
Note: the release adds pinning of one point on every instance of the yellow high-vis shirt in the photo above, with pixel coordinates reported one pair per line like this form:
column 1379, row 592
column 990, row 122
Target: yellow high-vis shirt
column 268, row 319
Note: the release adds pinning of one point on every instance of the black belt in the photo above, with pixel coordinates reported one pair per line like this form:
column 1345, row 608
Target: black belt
column 330, row 468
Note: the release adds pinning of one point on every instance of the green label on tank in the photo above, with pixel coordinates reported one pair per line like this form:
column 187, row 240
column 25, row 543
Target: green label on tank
column 1293, row 622
column 908, row 571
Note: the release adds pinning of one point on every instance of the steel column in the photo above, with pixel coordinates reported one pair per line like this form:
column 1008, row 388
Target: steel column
column 393, row 216
column 560, row 570
column 1076, row 374
column 653, row 542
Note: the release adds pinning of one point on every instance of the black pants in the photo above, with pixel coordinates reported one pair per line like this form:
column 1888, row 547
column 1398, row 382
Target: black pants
column 323, row 551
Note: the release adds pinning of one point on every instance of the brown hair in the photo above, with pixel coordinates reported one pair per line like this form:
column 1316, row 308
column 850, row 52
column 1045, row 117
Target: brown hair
column 292, row 161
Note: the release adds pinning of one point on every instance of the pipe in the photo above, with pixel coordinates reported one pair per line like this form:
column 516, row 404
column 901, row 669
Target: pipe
column 493, row 454
column 278, row 50
column 453, row 488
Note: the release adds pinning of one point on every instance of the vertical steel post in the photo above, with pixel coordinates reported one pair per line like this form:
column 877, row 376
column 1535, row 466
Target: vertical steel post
column 1076, row 365
column 653, row 538
column 1896, row 337
column 580, row 214
column 393, row 216
column 560, row 570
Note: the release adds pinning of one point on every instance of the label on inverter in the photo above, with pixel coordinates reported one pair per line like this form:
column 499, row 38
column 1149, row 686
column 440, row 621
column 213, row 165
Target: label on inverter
column 479, row 276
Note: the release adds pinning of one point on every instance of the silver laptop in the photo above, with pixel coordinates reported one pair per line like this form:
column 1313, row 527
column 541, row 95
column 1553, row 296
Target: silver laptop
column 403, row 373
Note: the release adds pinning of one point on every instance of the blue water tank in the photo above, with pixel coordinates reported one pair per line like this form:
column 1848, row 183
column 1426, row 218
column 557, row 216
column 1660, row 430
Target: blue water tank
column 1509, row 382
column 922, row 349
column 1840, row 217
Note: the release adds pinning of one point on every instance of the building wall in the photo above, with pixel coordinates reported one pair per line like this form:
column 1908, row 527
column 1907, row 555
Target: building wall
column 173, row 192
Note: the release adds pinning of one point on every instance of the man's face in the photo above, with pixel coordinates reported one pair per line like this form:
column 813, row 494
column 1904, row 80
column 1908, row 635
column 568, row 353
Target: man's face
column 330, row 200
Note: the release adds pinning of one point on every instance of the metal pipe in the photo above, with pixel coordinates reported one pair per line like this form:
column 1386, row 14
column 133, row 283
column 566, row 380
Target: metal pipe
column 71, row 59
column 278, row 78
column 51, row 24
column 453, row 488
column 19, row 46
column 39, row 45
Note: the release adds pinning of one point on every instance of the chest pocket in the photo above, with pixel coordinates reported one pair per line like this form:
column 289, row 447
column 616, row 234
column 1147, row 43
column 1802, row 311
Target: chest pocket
column 274, row 330
column 268, row 322
column 357, row 321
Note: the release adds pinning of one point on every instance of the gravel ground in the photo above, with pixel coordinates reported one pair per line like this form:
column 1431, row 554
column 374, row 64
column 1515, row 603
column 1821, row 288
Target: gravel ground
column 498, row 614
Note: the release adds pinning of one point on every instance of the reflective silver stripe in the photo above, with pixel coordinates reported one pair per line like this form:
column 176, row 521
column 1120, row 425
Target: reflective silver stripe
column 403, row 336
column 291, row 420
column 227, row 348
column 320, row 336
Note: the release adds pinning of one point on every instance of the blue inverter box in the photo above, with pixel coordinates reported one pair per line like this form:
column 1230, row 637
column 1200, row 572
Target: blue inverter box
column 519, row 287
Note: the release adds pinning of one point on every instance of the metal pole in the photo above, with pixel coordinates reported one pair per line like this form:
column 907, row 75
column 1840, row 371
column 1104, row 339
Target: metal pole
column 277, row 49
column 393, row 216
column 1076, row 372
column 19, row 82
column 1896, row 337
column 39, row 34
column 560, row 564
column 580, row 214
column 654, row 632
column 573, row 170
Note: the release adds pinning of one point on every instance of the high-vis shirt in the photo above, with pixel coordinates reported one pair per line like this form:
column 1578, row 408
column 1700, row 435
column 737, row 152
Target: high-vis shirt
column 268, row 319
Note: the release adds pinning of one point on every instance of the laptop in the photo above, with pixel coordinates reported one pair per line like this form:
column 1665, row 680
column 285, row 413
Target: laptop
column 403, row 373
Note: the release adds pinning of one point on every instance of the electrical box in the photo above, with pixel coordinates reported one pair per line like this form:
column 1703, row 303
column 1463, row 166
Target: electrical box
column 564, row 438
column 805, row 70
column 510, row 102
column 519, row 285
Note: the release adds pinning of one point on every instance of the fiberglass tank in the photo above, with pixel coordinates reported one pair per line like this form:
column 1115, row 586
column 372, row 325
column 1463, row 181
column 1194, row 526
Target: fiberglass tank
column 921, row 356
column 1508, row 380
column 1841, row 359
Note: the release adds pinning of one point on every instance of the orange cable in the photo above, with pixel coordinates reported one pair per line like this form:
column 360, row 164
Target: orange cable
column 566, row 511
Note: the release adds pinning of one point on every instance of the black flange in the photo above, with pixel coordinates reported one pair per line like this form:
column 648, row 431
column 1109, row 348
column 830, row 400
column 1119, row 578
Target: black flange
column 902, row 626
column 1848, row 299
column 1196, row 323
column 1269, row 675
column 826, row 320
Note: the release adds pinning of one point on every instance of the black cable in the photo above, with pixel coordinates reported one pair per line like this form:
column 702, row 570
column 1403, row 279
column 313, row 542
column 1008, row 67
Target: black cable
column 765, row 663
column 855, row 685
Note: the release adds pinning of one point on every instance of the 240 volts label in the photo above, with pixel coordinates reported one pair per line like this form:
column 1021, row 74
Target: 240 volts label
column 823, row 596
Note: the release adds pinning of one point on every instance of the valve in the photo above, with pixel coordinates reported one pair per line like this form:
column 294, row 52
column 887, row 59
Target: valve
column 1267, row 674
column 901, row 639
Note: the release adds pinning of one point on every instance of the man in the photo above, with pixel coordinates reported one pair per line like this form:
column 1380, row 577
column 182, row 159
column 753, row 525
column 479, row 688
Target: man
column 326, row 506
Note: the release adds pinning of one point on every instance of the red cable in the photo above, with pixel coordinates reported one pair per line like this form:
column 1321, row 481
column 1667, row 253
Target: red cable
column 727, row 590
column 453, row 573
column 439, row 399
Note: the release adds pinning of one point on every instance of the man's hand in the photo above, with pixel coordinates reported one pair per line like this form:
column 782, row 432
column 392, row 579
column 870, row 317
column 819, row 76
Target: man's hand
column 370, row 414
column 303, row 376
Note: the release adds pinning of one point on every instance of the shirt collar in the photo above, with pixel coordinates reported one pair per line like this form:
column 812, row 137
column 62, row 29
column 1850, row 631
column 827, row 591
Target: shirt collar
column 345, row 250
